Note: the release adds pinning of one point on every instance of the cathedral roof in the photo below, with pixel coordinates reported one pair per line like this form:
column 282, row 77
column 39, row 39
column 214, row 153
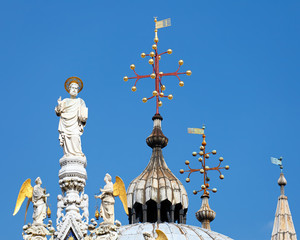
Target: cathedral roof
column 283, row 228
column 173, row 231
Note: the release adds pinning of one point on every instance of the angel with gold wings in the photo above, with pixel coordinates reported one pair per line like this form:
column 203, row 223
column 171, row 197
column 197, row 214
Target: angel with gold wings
column 160, row 235
column 37, row 195
column 109, row 192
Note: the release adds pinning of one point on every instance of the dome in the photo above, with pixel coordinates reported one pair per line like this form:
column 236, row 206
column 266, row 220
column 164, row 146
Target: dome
column 156, row 194
column 173, row 231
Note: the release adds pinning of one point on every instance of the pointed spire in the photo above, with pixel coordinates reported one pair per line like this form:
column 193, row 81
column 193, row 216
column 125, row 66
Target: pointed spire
column 283, row 228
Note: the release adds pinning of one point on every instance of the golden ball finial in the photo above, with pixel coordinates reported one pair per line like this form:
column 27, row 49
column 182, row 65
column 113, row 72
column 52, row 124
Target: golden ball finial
column 194, row 154
column 187, row 180
column 227, row 167
column 163, row 87
column 169, row 51
column 143, row 55
column 195, row 192
column 152, row 75
column 203, row 186
column 161, row 73
column 152, row 54
column 144, row 100
column 201, row 170
column 214, row 190
column 156, row 40
column 133, row 88
column 189, row 72
column 159, row 57
column 221, row 159
column 214, row 151
column 181, row 83
column 125, row 79
column 154, row 46
column 200, row 159
column 170, row 97
column 187, row 162
column 221, row 176
column 161, row 94
column 151, row 61
column 132, row 66
column 154, row 93
column 160, row 103
column 180, row 62
column 181, row 171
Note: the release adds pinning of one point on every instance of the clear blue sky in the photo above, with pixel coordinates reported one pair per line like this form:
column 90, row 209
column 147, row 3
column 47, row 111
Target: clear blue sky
column 244, row 56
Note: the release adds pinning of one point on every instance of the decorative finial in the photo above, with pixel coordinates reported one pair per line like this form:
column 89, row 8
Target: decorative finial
column 205, row 215
column 281, row 181
column 156, row 74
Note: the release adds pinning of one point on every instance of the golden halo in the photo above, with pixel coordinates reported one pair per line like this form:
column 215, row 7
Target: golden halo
column 73, row 80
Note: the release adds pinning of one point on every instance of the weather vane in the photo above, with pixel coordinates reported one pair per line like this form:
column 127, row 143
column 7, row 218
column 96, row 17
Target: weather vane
column 156, row 74
column 277, row 161
column 204, row 156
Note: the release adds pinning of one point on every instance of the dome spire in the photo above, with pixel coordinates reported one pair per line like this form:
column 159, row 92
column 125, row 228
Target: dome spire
column 205, row 214
column 283, row 227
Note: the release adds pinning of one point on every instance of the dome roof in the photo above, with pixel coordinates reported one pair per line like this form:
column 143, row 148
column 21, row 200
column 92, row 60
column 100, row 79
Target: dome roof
column 173, row 231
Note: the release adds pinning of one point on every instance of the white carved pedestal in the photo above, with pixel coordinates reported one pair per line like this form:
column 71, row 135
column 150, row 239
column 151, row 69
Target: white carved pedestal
column 72, row 180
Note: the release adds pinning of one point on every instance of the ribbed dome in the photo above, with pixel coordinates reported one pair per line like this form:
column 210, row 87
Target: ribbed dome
column 173, row 231
column 157, row 184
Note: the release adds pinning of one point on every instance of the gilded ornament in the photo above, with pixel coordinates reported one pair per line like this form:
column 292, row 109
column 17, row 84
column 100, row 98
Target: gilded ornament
column 189, row 72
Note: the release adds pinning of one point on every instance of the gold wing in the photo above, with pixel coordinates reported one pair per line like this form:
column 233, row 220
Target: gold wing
column 25, row 191
column 161, row 235
column 119, row 190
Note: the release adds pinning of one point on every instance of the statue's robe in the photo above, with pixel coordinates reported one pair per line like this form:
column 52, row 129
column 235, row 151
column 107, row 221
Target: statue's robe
column 73, row 117
column 39, row 205
column 107, row 210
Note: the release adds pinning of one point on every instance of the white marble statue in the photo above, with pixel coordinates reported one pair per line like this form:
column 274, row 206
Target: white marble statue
column 85, row 207
column 60, row 208
column 39, row 200
column 73, row 115
column 107, row 211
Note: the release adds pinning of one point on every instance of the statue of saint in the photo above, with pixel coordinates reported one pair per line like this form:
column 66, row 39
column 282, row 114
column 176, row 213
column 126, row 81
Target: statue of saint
column 107, row 211
column 73, row 115
column 39, row 200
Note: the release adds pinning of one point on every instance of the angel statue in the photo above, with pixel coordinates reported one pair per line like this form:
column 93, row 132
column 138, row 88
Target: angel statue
column 160, row 235
column 38, row 196
column 109, row 192
column 73, row 115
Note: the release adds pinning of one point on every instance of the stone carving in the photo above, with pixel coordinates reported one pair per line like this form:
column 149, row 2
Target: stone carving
column 107, row 211
column 38, row 232
column 60, row 208
column 85, row 207
column 39, row 200
column 73, row 115
column 104, row 231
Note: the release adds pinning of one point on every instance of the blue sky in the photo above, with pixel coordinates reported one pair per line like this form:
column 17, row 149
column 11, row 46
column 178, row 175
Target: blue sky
column 244, row 56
